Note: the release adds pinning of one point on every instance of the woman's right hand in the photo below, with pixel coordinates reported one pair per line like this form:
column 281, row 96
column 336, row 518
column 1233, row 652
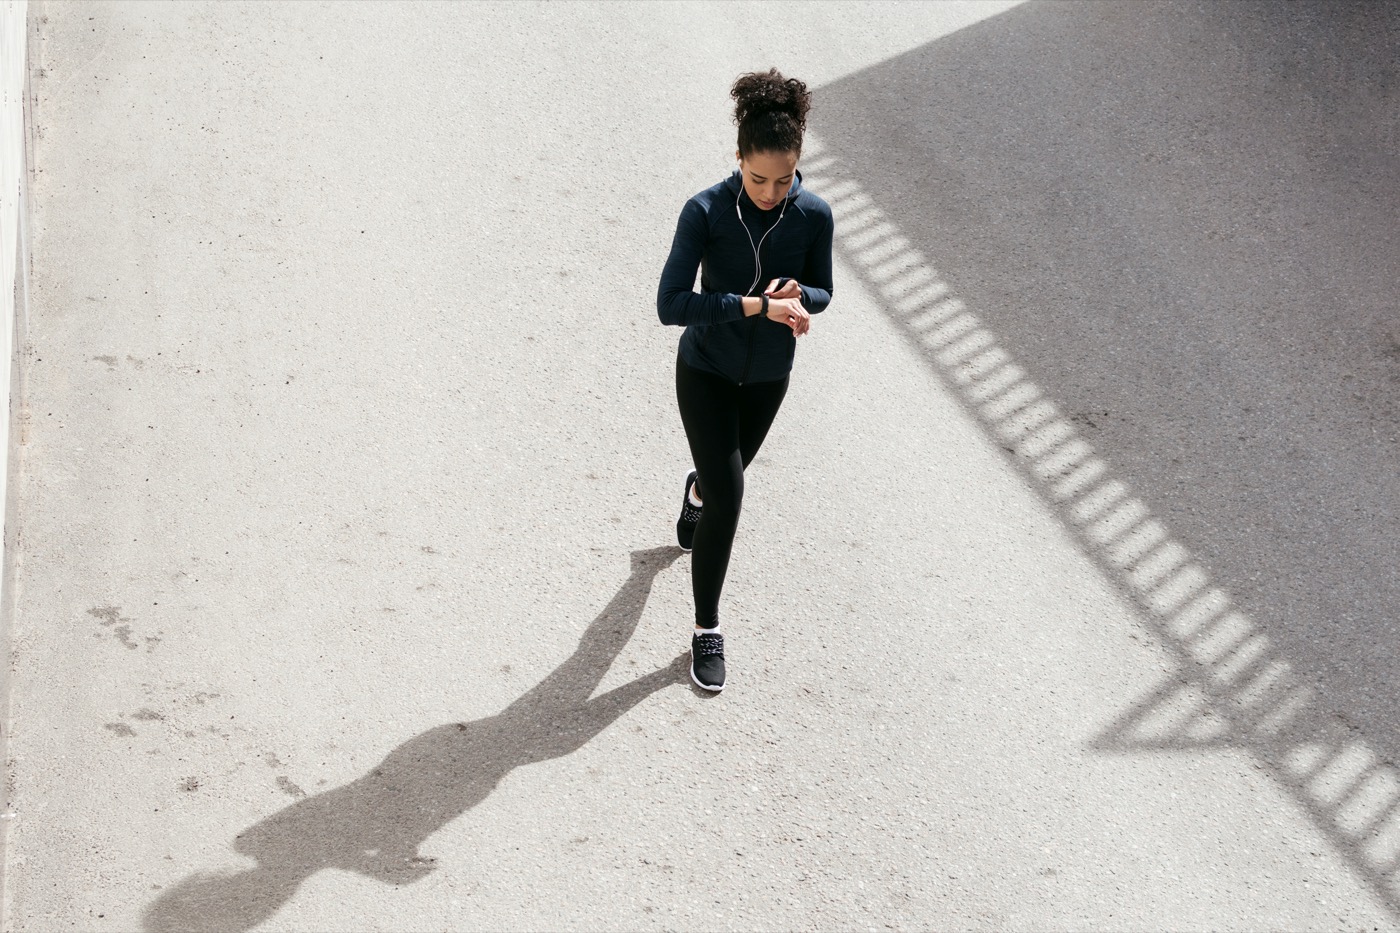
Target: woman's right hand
column 789, row 311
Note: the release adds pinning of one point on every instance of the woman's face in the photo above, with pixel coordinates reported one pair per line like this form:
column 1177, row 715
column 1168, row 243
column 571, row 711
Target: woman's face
column 768, row 176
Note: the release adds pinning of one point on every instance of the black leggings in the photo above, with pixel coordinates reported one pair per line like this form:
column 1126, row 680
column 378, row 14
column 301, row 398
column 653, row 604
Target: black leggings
column 725, row 424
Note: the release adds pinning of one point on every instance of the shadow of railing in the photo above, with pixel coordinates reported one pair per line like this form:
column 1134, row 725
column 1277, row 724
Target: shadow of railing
column 1234, row 688
column 374, row 825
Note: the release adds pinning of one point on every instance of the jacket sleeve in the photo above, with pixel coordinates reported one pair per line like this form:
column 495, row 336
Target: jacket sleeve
column 816, row 273
column 676, row 299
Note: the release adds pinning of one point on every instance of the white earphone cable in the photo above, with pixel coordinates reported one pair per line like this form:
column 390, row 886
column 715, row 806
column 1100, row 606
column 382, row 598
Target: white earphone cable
column 738, row 209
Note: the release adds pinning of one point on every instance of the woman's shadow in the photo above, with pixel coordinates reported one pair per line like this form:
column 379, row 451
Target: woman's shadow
column 375, row 824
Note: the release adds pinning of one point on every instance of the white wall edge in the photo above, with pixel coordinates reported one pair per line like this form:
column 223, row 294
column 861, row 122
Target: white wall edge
column 14, row 297
column 13, row 229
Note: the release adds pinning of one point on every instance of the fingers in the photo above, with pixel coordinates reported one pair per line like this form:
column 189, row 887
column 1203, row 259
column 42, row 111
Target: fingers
column 798, row 318
column 790, row 312
column 783, row 288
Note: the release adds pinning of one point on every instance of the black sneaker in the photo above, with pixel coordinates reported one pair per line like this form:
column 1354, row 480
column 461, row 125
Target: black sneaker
column 690, row 516
column 707, row 660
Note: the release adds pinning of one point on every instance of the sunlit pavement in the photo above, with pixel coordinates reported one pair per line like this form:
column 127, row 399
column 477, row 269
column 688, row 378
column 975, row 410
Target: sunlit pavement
column 1065, row 592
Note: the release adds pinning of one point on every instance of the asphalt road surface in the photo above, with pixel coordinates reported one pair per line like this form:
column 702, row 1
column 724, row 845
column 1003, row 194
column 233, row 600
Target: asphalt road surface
column 1065, row 595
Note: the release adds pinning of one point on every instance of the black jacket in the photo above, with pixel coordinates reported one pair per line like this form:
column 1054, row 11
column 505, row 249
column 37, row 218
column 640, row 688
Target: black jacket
column 710, row 235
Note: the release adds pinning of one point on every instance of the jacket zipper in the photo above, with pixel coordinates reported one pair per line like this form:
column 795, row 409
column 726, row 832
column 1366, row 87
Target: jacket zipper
column 753, row 330
column 748, row 360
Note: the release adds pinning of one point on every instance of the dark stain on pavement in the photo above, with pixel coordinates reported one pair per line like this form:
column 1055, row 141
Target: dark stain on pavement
column 285, row 784
column 108, row 615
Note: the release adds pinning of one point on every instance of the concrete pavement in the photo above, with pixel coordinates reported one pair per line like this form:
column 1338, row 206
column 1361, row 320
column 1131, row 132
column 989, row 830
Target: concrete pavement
column 345, row 595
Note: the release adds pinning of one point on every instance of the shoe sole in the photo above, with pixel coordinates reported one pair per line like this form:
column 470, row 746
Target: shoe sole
column 685, row 491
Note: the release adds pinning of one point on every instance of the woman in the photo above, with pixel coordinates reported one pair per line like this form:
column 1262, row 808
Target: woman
column 763, row 245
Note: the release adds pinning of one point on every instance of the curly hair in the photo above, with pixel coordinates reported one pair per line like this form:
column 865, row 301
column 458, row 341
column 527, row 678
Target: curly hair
column 771, row 112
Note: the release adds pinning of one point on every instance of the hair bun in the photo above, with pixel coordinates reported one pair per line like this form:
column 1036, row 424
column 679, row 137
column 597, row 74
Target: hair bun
column 760, row 92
